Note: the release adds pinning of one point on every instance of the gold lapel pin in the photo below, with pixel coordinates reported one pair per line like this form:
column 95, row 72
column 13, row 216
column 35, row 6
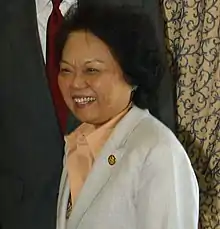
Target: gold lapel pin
column 111, row 159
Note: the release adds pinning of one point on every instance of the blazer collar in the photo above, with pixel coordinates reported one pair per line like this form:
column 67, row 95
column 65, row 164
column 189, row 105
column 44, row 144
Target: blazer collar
column 102, row 170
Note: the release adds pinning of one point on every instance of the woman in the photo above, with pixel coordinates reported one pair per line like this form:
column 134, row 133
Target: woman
column 123, row 168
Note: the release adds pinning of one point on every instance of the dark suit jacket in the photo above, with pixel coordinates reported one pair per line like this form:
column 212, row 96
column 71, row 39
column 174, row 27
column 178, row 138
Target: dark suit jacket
column 31, row 147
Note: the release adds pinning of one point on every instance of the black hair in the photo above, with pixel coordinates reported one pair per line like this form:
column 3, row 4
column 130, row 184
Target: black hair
column 129, row 34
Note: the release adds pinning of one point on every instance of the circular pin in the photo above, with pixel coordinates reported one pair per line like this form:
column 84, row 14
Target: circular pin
column 111, row 160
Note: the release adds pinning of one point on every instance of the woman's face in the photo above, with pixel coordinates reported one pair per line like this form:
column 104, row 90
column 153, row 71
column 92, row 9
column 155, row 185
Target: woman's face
column 91, row 80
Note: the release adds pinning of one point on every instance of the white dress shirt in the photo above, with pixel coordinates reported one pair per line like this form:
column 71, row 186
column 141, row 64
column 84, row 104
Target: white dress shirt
column 44, row 9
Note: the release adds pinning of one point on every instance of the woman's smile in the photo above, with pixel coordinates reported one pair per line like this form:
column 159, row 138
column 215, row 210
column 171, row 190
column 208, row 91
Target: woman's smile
column 91, row 80
column 83, row 101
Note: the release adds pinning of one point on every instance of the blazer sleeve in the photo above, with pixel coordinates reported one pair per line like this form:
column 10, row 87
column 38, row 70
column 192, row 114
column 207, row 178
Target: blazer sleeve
column 167, row 195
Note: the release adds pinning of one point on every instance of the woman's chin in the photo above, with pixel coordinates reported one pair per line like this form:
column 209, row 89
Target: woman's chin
column 85, row 117
column 84, row 112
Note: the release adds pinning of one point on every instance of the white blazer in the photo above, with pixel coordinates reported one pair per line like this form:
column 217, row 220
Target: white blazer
column 151, row 186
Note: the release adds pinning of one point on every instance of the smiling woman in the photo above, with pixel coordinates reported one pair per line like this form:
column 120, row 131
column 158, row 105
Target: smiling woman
column 91, row 80
column 122, row 168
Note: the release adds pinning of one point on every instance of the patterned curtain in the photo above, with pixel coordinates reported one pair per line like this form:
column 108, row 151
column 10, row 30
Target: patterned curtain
column 193, row 44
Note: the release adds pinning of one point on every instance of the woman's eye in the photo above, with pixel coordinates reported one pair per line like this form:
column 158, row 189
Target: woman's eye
column 92, row 70
column 64, row 70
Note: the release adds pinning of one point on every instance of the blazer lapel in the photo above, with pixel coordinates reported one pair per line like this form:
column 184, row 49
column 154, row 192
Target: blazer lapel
column 64, row 192
column 102, row 169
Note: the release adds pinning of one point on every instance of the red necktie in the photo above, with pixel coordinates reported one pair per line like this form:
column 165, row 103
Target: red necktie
column 52, row 64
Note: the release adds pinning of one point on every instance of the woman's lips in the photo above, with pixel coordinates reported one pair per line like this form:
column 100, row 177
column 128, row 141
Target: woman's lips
column 81, row 101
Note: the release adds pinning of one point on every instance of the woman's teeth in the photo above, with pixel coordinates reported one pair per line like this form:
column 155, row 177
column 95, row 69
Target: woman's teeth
column 84, row 100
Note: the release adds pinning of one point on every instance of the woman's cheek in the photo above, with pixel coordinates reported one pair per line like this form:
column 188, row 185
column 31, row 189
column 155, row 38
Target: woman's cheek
column 61, row 84
column 69, row 101
column 64, row 92
column 63, row 88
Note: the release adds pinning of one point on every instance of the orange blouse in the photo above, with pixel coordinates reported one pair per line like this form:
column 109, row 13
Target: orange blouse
column 82, row 148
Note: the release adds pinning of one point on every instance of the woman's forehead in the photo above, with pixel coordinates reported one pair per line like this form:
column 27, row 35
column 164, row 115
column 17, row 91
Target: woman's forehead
column 84, row 45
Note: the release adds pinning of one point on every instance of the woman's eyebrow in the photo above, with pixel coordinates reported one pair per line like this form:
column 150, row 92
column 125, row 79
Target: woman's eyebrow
column 66, row 62
column 94, row 60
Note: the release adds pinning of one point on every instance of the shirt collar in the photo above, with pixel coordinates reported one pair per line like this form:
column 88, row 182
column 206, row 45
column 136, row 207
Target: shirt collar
column 95, row 138
column 70, row 2
column 98, row 137
column 41, row 4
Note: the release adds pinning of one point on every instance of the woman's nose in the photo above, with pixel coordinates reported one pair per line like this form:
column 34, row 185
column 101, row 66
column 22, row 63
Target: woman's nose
column 78, row 81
